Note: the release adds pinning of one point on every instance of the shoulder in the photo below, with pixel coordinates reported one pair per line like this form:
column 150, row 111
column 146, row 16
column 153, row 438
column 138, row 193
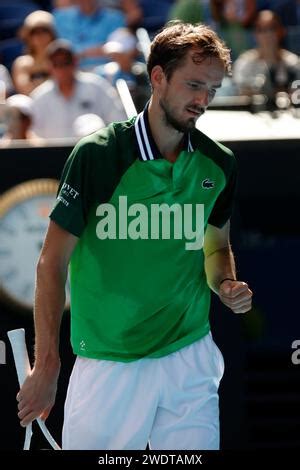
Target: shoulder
column 4, row 74
column 23, row 61
column 107, row 142
column 93, row 80
column 217, row 152
column 43, row 90
column 248, row 56
column 290, row 58
column 104, row 155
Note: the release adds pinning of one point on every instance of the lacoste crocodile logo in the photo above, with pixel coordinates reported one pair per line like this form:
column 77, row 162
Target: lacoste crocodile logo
column 207, row 183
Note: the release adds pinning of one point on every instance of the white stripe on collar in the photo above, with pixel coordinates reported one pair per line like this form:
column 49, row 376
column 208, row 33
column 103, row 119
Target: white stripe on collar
column 190, row 147
column 146, row 139
column 139, row 139
column 143, row 139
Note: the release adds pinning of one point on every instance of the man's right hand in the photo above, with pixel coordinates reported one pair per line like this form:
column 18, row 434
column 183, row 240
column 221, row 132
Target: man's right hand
column 37, row 395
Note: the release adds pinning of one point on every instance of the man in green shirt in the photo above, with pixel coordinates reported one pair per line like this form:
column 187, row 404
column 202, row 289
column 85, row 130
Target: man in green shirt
column 142, row 214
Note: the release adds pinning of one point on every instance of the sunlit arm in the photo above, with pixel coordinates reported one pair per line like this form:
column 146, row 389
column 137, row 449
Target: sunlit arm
column 219, row 260
column 37, row 395
column 221, row 272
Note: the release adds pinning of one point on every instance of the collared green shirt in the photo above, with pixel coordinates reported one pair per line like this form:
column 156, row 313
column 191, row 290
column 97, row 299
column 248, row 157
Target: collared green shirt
column 135, row 292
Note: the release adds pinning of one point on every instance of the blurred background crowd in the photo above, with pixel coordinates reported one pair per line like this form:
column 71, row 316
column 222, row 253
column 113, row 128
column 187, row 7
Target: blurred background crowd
column 64, row 63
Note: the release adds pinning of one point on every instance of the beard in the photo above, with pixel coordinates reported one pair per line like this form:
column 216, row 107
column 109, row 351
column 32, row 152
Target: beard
column 179, row 125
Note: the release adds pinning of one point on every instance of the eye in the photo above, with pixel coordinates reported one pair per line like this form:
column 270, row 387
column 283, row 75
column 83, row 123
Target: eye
column 194, row 85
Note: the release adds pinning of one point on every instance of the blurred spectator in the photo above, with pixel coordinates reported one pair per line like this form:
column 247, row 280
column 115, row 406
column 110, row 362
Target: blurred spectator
column 234, row 17
column 87, row 26
column 122, row 48
column 6, row 85
column 30, row 70
column 192, row 11
column 69, row 94
column 131, row 8
column 269, row 68
column 18, row 120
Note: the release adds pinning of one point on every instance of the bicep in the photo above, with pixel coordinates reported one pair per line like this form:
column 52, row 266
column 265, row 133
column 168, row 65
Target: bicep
column 216, row 238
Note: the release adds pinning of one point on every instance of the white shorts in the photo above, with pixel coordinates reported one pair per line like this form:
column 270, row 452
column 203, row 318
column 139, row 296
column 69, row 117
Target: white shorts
column 170, row 403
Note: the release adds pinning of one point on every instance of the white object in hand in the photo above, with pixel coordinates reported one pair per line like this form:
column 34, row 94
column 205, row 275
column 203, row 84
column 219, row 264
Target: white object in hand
column 18, row 344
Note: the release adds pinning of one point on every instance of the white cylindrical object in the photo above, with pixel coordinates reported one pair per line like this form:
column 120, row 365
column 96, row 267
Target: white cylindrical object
column 144, row 41
column 18, row 344
column 126, row 98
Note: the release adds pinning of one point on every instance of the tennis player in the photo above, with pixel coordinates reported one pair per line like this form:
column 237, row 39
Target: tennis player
column 147, row 368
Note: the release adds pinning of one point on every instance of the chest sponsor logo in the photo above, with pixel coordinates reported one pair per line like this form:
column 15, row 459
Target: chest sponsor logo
column 208, row 183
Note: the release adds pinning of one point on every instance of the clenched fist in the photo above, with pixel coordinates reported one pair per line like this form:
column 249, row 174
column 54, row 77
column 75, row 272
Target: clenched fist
column 236, row 295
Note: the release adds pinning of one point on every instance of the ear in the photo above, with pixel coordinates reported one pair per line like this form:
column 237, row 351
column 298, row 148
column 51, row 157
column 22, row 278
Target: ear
column 157, row 76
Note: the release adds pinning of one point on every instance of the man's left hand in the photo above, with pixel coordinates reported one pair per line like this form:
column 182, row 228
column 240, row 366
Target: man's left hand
column 236, row 295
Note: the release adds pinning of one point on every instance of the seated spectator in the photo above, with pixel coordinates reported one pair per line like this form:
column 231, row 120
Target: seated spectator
column 192, row 11
column 6, row 85
column 269, row 68
column 122, row 48
column 87, row 26
column 131, row 9
column 18, row 120
column 234, row 18
column 31, row 69
column 69, row 94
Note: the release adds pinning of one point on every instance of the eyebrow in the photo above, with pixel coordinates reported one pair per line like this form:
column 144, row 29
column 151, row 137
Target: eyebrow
column 199, row 82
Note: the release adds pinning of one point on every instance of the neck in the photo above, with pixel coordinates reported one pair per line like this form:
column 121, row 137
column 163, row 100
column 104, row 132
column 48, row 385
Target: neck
column 67, row 88
column 270, row 55
column 167, row 139
column 89, row 9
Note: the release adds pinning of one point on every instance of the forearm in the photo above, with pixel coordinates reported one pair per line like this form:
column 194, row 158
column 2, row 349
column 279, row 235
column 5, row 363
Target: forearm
column 49, row 306
column 219, row 265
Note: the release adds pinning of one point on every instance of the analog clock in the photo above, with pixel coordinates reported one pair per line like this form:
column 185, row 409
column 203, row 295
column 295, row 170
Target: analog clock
column 24, row 211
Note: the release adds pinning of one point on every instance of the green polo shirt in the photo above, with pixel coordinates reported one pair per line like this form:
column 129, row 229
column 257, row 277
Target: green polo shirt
column 136, row 289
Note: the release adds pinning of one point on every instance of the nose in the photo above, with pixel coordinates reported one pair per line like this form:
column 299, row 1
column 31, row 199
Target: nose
column 202, row 99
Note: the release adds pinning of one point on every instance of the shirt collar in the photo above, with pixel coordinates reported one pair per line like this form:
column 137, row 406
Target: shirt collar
column 148, row 149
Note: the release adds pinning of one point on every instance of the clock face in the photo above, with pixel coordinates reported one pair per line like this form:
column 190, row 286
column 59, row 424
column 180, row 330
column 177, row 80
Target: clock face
column 23, row 224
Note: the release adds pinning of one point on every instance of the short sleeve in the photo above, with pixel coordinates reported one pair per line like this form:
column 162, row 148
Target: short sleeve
column 74, row 193
column 223, row 207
